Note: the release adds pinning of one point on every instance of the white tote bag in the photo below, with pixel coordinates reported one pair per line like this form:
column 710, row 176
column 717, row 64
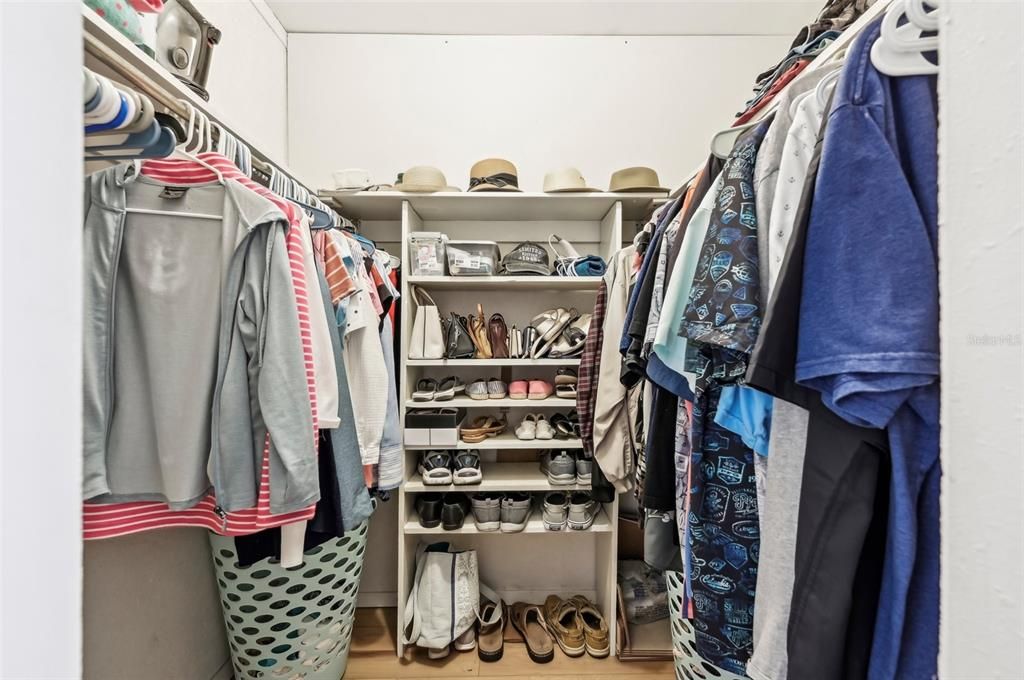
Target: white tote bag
column 426, row 340
column 445, row 597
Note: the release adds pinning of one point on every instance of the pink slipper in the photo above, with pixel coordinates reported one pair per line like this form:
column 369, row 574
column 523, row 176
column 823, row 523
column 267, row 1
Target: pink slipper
column 518, row 389
column 540, row 389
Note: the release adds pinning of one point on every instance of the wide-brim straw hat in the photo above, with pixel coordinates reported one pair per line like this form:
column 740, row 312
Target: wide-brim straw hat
column 494, row 174
column 564, row 181
column 423, row 179
column 634, row 180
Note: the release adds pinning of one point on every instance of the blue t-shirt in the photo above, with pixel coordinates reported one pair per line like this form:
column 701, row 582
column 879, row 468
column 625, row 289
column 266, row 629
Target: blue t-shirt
column 748, row 413
column 869, row 339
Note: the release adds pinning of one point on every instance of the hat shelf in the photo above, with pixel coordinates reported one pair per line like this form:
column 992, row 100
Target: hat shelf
column 580, row 561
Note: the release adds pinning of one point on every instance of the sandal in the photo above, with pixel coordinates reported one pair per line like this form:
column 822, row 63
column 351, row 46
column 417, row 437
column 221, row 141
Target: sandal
column 563, row 428
column 435, row 468
column 566, row 376
column 549, row 326
column 565, row 391
column 482, row 428
column 528, row 619
column 467, row 468
column 448, row 388
column 527, row 429
column 426, row 390
column 491, row 638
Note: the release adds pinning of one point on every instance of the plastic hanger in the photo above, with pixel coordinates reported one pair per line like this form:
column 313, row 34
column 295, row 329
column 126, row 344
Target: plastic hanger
column 821, row 90
column 899, row 50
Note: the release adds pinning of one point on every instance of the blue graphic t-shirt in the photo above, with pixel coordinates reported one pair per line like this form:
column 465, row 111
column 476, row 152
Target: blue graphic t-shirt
column 869, row 339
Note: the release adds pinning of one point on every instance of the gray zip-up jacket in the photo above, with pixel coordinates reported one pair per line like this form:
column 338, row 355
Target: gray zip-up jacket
column 192, row 351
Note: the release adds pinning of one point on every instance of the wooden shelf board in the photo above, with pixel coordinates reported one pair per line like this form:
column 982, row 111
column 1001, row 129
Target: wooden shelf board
column 466, row 402
column 535, row 525
column 506, row 283
column 498, row 477
column 509, row 441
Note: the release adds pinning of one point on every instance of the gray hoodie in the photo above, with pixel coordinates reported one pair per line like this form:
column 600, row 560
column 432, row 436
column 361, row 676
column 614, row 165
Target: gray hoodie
column 192, row 352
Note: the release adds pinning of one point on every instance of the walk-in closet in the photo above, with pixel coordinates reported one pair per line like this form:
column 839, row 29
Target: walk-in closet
column 410, row 339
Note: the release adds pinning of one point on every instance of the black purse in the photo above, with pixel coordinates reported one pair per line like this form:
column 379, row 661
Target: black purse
column 458, row 343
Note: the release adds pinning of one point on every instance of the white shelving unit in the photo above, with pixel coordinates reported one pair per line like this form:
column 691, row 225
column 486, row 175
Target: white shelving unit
column 576, row 561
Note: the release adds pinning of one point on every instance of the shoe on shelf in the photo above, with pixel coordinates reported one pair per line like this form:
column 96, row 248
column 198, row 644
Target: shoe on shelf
column 582, row 510
column 496, row 389
column 515, row 511
column 563, row 427
column 428, row 509
column 566, row 376
column 426, row 390
column 491, row 638
column 467, row 468
column 573, row 338
column 527, row 429
column 477, row 390
column 448, row 388
column 435, row 468
column 563, row 621
column 465, row 642
column 584, row 470
column 482, row 427
column 518, row 389
column 559, row 466
column 556, row 510
column 454, row 508
column 595, row 628
column 487, row 511
column 528, row 620
column 565, row 391
column 540, row 389
column 544, row 429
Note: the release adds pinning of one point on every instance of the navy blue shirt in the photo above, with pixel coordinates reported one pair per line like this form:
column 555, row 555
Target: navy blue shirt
column 869, row 339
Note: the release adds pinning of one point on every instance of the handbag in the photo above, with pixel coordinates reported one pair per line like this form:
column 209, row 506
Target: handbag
column 515, row 343
column 445, row 598
column 458, row 343
column 497, row 335
column 478, row 333
column 426, row 341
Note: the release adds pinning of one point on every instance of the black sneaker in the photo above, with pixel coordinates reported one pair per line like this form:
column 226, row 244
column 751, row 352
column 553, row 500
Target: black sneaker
column 454, row 509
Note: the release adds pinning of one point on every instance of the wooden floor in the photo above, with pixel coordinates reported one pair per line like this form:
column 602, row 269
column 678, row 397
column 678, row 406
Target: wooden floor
column 373, row 658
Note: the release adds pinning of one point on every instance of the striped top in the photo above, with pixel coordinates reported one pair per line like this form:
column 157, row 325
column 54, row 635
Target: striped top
column 120, row 519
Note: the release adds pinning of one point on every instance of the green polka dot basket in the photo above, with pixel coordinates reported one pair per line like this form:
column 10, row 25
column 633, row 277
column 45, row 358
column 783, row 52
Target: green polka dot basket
column 688, row 663
column 291, row 624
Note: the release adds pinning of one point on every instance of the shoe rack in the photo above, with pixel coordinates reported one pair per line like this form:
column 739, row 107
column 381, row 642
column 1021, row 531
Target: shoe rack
column 534, row 563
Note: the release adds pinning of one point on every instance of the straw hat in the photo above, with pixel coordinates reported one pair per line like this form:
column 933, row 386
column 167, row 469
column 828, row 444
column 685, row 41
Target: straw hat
column 635, row 179
column 566, row 180
column 422, row 179
column 493, row 174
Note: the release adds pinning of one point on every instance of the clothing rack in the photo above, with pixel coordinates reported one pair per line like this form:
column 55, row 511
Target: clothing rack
column 115, row 56
column 835, row 50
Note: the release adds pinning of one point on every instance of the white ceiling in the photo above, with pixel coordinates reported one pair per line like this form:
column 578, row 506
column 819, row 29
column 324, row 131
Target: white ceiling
column 567, row 17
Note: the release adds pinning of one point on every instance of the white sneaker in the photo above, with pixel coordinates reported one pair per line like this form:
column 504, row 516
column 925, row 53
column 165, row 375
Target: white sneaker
column 527, row 430
column 543, row 428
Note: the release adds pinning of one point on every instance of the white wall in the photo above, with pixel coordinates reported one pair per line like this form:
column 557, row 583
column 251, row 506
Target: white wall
column 40, row 337
column 248, row 75
column 981, row 253
column 386, row 102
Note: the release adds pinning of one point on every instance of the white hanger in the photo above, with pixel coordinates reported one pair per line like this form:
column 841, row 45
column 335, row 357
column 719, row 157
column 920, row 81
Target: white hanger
column 898, row 51
column 821, row 90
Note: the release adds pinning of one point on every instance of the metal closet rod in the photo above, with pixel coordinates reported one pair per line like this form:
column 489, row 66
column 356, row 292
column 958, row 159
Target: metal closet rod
column 170, row 102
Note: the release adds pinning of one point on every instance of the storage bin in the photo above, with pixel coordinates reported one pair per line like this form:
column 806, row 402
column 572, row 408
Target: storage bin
column 291, row 624
column 427, row 252
column 473, row 258
column 688, row 663
column 433, row 427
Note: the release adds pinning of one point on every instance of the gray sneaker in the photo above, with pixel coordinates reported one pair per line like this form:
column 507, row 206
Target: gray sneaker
column 487, row 511
column 584, row 469
column 515, row 511
column 556, row 510
column 559, row 466
column 582, row 510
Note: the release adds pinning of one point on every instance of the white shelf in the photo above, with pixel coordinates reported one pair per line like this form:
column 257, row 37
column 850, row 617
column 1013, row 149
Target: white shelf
column 499, row 477
column 535, row 525
column 491, row 206
column 466, row 402
column 493, row 362
column 510, row 283
column 509, row 441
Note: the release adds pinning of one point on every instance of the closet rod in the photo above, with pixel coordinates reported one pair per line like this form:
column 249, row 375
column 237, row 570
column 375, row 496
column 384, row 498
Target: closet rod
column 132, row 66
column 836, row 47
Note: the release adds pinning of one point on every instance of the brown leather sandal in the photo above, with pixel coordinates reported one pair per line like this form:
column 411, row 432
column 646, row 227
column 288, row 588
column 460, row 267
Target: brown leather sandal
column 482, row 428
column 528, row 619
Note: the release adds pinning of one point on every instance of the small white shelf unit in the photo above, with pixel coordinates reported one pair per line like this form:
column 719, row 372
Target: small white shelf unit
column 576, row 561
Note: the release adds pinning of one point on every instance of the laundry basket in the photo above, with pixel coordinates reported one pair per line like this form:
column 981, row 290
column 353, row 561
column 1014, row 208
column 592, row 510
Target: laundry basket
column 689, row 665
column 291, row 624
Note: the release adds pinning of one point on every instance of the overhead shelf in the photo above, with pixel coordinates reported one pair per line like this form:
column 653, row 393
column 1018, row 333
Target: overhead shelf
column 499, row 477
column 507, row 283
column 535, row 525
column 491, row 206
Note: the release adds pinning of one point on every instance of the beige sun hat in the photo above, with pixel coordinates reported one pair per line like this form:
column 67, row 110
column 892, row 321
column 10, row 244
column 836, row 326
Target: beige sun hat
column 566, row 180
column 635, row 179
column 493, row 174
column 423, row 179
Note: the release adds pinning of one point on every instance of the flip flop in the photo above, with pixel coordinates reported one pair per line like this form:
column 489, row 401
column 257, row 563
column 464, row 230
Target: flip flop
column 448, row 388
column 426, row 390
column 565, row 391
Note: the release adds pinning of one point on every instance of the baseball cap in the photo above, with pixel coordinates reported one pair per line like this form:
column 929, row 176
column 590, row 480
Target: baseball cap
column 526, row 258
